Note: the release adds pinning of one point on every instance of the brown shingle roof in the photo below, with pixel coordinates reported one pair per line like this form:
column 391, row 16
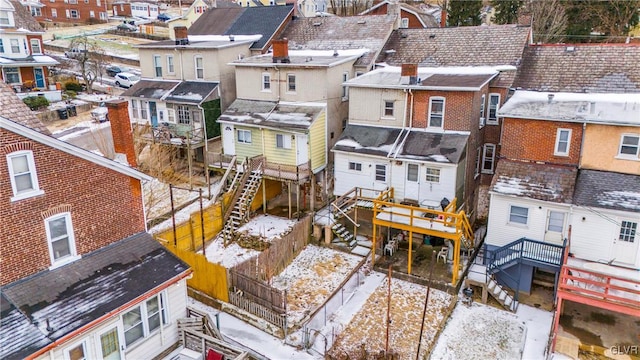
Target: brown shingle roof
column 536, row 181
column 12, row 108
column 581, row 68
column 341, row 33
column 23, row 18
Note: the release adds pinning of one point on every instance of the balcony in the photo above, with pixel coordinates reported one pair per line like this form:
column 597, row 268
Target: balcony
column 270, row 170
column 180, row 135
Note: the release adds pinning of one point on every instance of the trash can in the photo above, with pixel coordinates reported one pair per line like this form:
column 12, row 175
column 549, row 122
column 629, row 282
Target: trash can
column 62, row 114
column 71, row 110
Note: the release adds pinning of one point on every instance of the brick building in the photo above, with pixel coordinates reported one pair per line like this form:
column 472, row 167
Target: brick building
column 69, row 11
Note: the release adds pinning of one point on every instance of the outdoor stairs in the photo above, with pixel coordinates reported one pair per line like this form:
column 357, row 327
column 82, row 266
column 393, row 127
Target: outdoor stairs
column 241, row 208
column 501, row 294
column 344, row 236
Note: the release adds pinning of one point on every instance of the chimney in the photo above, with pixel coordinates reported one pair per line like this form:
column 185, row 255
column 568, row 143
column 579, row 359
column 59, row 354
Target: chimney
column 121, row 129
column 181, row 35
column 443, row 15
column 281, row 51
column 393, row 9
column 410, row 70
column 550, row 97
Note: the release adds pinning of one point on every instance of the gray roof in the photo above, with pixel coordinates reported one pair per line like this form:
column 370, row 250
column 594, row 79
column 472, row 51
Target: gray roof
column 322, row 59
column 24, row 19
column 12, row 108
column 270, row 114
column 622, row 109
column 185, row 92
column 581, row 68
column 418, row 145
column 258, row 20
column 74, row 295
column 151, row 89
column 430, row 78
column 427, row 18
column 341, row 33
column 536, row 181
column 608, row 190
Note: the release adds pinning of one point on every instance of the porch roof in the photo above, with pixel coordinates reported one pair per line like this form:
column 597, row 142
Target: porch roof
column 609, row 190
column 291, row 116
column 73, row 296
column 33, row 60
column 151, row 89
column 183, row 92
column 537, row 181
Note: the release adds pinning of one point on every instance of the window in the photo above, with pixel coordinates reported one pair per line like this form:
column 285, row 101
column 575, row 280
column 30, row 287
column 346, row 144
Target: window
column 60, row 239
column 355, row 166
column 345, row 90
column 77, row 352
column 157, row 64
column 556, row 221
column 11, row 75
column 388, row 108
column 54, row 13
column 133, row 326
column 291, row 82
column 283, row 141
column 22, row 171
column 92, row 14
column 4, row 17
column 482, row 101
column 628, row 231
column 494, row 105
column 518, row 215
column 488, row 158
column 478, row 157
column 563, row 138
column 144, row 106
column 404, row 23
column 629, row 145
column 156, row 313
column 244, row 136
column 36, row 11
column 1, row 46
column 433, row 175
column 412, row 172
column 436, row 113
column 381, row 172
column 35, row 46
column 199, row 68
column 135, row 113
column 98, row 3
column 170, row 68
column 266, row 82
column 184, row 115
column 75, row 14
column 171, row 116
column 15, row 46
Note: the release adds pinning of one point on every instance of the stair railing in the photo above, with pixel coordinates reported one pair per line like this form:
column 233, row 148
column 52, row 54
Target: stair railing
column 237, row 184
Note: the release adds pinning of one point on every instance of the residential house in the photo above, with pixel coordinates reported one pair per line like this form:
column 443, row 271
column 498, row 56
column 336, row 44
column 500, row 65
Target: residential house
column 312, row 8
column 411, row 17
column 474, row 80
column 79, row 275
column 188, row 17
column 141, row 9
column 24, row 65
column 68, row 11
column 261, row 3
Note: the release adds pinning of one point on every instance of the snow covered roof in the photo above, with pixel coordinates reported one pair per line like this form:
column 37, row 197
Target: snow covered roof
column 269, row 114
column 55, row 303
column 325, row 58
column 182, row 92
column 537, row 181
column 43, row 60
column 623, row 109
column 402, row 144
column 464, row 78
column 608, row 190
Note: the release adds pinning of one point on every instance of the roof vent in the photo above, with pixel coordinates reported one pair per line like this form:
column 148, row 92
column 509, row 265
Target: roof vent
column 570, row 49
column 335, row 53
column 317, row 23
column 362, row 21
column 403, row 35
column 390, row 51
column 232, row 38
column 550, row 97
column 432, row 36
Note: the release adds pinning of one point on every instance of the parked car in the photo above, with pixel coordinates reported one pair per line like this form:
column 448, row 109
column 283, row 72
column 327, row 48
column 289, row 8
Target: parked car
column 100, row 114
column 127, row 27
column 164, row 17
column 126, row 80
column 112, row 70
column 76, row 53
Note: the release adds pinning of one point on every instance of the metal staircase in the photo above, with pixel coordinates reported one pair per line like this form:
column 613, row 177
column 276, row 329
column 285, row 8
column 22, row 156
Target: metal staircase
column 245, row 186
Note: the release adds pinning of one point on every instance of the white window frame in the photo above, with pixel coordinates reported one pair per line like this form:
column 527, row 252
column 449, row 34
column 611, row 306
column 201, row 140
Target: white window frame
column 171, row 115
column 483, row 99
column 144, row 109
column 345, row 89
column 478, row 162
column 490, row 120
column 73, row 255
column 198, row 69
column 628, row 231
column 388, row 109
column 244, row 136
column 92, row 14
column 5, row 18
column 83, row 343
column 11, row 74
column 560, row 142
column 157, row 65
column 74, row 14
column 410, row 178
column 490, row 160
column 291, row 83
column 170, row 65
column 432, row 175
column 54, row 13
column 404, row 23
column 266, row 81
column 355, row 166
column 431, row 113
column 144, row 319
column 15, row 46
column 515, row 216
column 33, row 175
column 283, row 141
column 135, row 111
column 36, row 47
column 623, row 137
column 380, row 174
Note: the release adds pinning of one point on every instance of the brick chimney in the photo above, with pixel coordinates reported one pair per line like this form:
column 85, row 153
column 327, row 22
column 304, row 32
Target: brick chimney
column 281, row 51
column 410, row 70
column 443, row 15
column 181, row 34
column 121, row 129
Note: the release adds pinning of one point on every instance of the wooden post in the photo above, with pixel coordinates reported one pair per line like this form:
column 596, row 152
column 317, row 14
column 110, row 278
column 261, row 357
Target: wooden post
column 264, row 196
column 298, row 200
column 173, row 216
column 426, row 301
column 409, row 260
column 375, row 237
column 456, row 260
column 556, row 322
column 289, row 194
column 386, row 347
column 202, row 222
column 312, row 200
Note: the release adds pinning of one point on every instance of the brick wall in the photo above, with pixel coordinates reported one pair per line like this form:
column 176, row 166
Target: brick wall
column 105, row 205
column 121, row 130
column 534, row 140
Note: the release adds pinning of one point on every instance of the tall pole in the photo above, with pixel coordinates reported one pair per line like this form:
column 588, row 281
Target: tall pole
column 386, row 347
column 426, row 301
column 202, row 222
column 173, row 216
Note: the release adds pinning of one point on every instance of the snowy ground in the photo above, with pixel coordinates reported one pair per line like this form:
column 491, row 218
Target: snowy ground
column 312, row 276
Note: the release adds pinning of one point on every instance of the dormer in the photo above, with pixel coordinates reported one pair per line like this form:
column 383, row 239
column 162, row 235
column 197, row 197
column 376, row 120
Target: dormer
column 6, row 14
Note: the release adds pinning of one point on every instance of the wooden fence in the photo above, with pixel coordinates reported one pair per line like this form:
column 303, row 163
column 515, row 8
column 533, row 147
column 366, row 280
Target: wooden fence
column 258, row 292
column 278, row 319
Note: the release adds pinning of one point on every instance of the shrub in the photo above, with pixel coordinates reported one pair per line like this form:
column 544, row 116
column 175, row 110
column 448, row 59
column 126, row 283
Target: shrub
column 73, row 86
column 36, row 102
column 69, row 94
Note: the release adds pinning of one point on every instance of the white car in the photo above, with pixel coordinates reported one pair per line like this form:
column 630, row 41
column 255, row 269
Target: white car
column 100, row 114
column 126, row 80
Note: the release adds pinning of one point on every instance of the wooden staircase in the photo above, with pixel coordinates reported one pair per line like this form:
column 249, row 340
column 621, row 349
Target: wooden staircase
column 238, row 213
column 502, row 295
column 344, row 236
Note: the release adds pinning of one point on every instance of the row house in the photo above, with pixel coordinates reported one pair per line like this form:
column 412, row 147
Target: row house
column 411, row 17
column 569, row 177
column 192, row 13
column 68, row 11
column 24, row 65
column 141, row 9
column 80, row 278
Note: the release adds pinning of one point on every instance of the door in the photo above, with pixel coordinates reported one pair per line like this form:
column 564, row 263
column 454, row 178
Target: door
column 154, row 113
column 110, row 341
column 625, row 244
column 302, row 149
column 412, row 182
column 554, row 231
column 39, row 77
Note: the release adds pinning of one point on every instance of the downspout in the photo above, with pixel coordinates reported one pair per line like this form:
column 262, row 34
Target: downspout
column 584, row 128
column 404, row 122
column 410, row 125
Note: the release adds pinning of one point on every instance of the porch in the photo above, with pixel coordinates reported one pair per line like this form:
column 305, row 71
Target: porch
column 179, row 135
column 270, row 170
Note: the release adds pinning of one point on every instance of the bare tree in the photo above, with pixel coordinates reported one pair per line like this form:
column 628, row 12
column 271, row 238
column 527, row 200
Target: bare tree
column 615, row 17
column 549, row 20
column 91, row 61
